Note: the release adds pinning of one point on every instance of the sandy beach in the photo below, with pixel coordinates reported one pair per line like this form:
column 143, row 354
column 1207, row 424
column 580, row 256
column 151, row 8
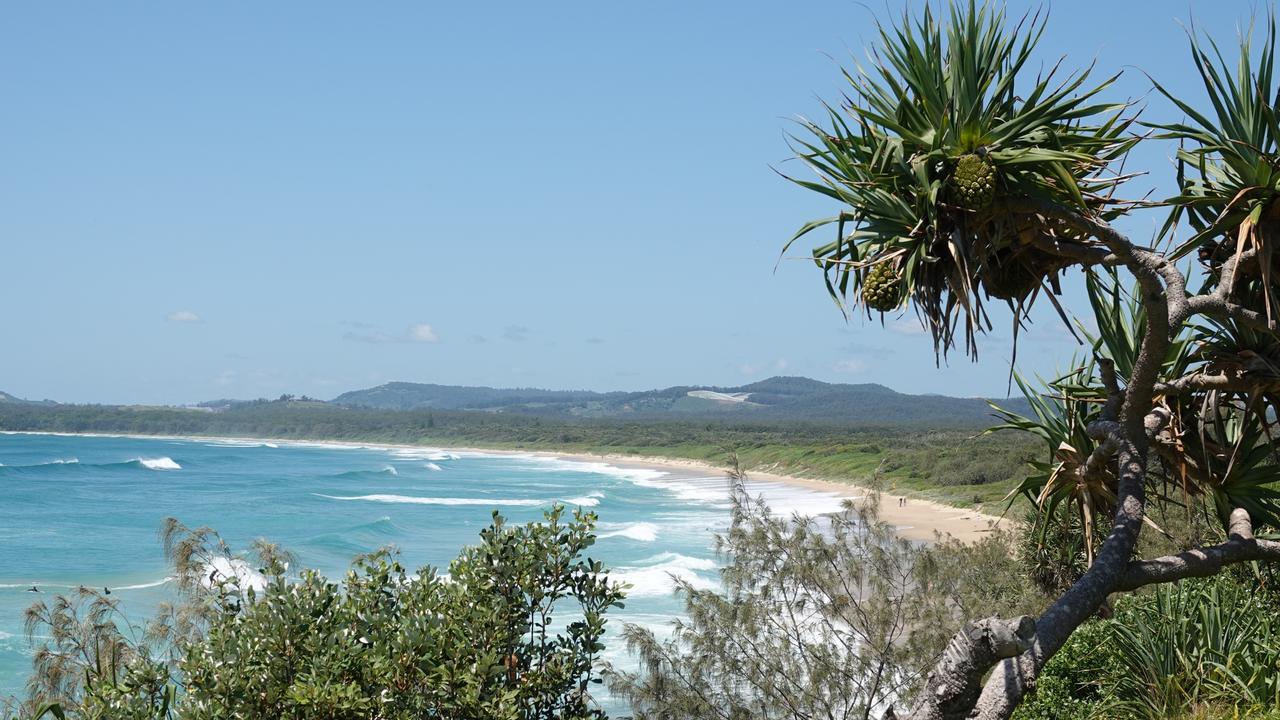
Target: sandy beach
column 915, row 519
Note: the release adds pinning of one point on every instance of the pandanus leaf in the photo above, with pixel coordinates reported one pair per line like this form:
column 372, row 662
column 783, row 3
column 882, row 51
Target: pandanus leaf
column 933, row 90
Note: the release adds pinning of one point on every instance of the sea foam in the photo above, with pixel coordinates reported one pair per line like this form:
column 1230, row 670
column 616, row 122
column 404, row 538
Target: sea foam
column 640, row 531
column 226, row 569
column 163, row 463
column 432, row 454
column 144, row 586
column 589, row 500
column 657, row 576
column 413, row 500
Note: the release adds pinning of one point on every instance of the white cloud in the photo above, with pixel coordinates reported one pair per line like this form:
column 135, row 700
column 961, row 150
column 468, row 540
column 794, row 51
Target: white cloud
column 182, row 316
column 416, row 333
column 422, row 332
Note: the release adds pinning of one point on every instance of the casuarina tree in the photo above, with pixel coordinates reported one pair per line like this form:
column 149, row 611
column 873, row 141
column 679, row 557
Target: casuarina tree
column 967, row 178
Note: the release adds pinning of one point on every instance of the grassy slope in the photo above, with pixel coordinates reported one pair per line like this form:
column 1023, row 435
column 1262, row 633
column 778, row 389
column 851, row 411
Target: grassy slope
column 904, row 470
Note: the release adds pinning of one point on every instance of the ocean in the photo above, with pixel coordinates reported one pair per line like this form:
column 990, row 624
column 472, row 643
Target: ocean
column 86, row 510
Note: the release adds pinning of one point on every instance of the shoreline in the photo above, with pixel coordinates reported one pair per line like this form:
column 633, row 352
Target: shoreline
column 916, row 519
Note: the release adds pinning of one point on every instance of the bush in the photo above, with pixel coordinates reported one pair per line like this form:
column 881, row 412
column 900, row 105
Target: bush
column 480, row 642
column 1071, row 685
column 1202, row 649
column 817, row 618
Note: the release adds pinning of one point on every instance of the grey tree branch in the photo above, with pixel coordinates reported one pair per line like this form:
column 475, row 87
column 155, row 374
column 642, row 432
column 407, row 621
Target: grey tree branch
column 1241, row 546
column 1130, row 434
column 953, row 686
column 1124, row 433
column 1115, row 396
column 1200, row 381
column 1219, row 307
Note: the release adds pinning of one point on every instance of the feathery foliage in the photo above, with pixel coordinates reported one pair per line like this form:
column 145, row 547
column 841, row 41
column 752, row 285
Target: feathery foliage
column 817, row 618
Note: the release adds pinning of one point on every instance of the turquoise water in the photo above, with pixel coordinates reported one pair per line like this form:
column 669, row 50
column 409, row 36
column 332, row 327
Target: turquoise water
column 82, row 510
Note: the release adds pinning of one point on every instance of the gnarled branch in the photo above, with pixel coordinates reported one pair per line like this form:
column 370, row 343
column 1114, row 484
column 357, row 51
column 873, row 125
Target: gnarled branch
column 953, row 686
column 1241, row 546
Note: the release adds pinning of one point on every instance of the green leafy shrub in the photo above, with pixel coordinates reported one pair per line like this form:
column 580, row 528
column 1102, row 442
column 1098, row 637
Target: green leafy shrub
column 1071, row 686
column 482, row 641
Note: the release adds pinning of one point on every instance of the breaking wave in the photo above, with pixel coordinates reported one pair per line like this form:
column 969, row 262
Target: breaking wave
column 414, row 500
column 641, row 531
column 162, row 463
column 589, row 500
column 657, row 576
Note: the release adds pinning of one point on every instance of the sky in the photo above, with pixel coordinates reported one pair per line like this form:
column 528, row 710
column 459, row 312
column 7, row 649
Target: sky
column 243, row 199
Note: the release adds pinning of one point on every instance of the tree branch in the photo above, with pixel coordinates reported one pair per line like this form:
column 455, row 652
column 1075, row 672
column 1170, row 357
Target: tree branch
column 1200, row 381
column 953, row 685
column 1241, row 546
column 1219, row 307
column 1115, row 396
column 1130, row 435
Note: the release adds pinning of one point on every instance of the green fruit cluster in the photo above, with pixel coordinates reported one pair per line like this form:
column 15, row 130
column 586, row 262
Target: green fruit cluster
column 974, row 182
column 882, row 290
column 1012, row 278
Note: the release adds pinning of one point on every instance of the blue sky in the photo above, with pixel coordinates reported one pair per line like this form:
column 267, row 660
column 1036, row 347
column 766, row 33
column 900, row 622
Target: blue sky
column 243, row 199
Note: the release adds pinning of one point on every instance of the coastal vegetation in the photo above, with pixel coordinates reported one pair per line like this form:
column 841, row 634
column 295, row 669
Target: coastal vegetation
column 832, row 617
column 837, row 617
column 512, row 631
column 963, row 180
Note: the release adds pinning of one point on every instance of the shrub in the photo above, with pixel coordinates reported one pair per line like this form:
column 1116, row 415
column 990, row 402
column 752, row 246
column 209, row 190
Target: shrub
column 479, row 642
column 1202, row 649
column 817, row 618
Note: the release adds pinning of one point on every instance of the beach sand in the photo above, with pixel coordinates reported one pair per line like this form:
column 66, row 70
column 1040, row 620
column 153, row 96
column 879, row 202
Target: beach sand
column 917, row 519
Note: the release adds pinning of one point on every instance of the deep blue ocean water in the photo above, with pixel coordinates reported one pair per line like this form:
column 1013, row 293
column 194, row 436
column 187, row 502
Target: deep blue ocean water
column 81, row 510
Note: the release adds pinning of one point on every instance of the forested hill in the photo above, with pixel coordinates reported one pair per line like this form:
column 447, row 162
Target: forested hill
column 7, row 398
column 778, row 398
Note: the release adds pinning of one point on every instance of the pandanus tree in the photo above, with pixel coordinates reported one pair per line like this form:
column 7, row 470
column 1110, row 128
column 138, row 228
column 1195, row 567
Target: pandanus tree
column 965, row 177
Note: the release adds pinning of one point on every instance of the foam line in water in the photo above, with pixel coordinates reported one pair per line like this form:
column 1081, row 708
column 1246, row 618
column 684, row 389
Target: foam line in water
column 144, row 586
column 433, row 467
column 432, row 454
column 413, row 500
column 556, row 464
column 785, row 500
column 640, row 531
